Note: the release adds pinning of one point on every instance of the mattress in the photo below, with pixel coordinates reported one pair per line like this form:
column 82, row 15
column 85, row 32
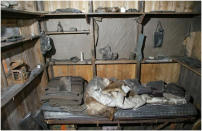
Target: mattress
column 146, row 111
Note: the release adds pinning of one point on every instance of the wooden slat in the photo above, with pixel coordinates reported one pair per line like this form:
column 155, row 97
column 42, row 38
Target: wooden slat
column 168, row 72
column 115, row 61
column 84, row 71
column 101, row 120
column 98, row 62
column 119, row 71
column 60, row 62
column 6, row 45
column 93, row 50
column 178, row 6
column 7, row 13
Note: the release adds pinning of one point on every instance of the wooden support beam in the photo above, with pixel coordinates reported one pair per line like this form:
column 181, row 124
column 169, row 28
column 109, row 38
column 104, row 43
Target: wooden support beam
column 90, row 5
column 3, row 75
column 138, row 67
column 141, row 6
column 92, row 46
column 92, row 33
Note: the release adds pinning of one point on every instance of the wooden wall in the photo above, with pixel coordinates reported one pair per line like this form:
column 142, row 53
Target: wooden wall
column 84, row 71
column 26, row 5
column 178, row 6
column 28, row 100
column 169, row 72
column 84, row 7
column 113, row 3
column 119, row 71
column 193, row 45
column 53, row 5
column 192, row 84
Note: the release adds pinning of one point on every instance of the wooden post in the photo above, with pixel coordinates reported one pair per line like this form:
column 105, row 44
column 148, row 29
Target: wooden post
column 90, row 5
column 92, row 46
column 141, row 6
column 139, row 31
column 92, row 33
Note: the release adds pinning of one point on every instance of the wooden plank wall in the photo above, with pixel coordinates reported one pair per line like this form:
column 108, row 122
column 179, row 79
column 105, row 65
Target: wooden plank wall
column 193, row 45
column 192, row 84
column 83, row 5
column 28, row 100
column 178, row 6
column 84, row 71
column 169, row 72
column 26, row 5
column 53, row 5
column 119, row 71
column 113, row 3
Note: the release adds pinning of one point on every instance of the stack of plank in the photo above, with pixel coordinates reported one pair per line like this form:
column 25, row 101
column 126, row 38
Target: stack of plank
column 64, row 91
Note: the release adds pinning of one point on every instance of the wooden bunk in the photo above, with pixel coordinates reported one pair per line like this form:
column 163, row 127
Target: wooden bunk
column 11, row 93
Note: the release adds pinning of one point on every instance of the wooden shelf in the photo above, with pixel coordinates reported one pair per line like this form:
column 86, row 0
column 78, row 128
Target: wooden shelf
column 115, row 14
column 150, row 61
column 102, row 62
column 120, row 15
column 68, row 32
column 97, row 62
column 7, row 45
column 124, row 61
column 83, row 15
column 8, row 95
column 195, row 70
column 8, row 13
column 65, row 62
column 64, row 15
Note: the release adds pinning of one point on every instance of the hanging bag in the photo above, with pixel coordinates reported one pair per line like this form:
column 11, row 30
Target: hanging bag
column 158, row 35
